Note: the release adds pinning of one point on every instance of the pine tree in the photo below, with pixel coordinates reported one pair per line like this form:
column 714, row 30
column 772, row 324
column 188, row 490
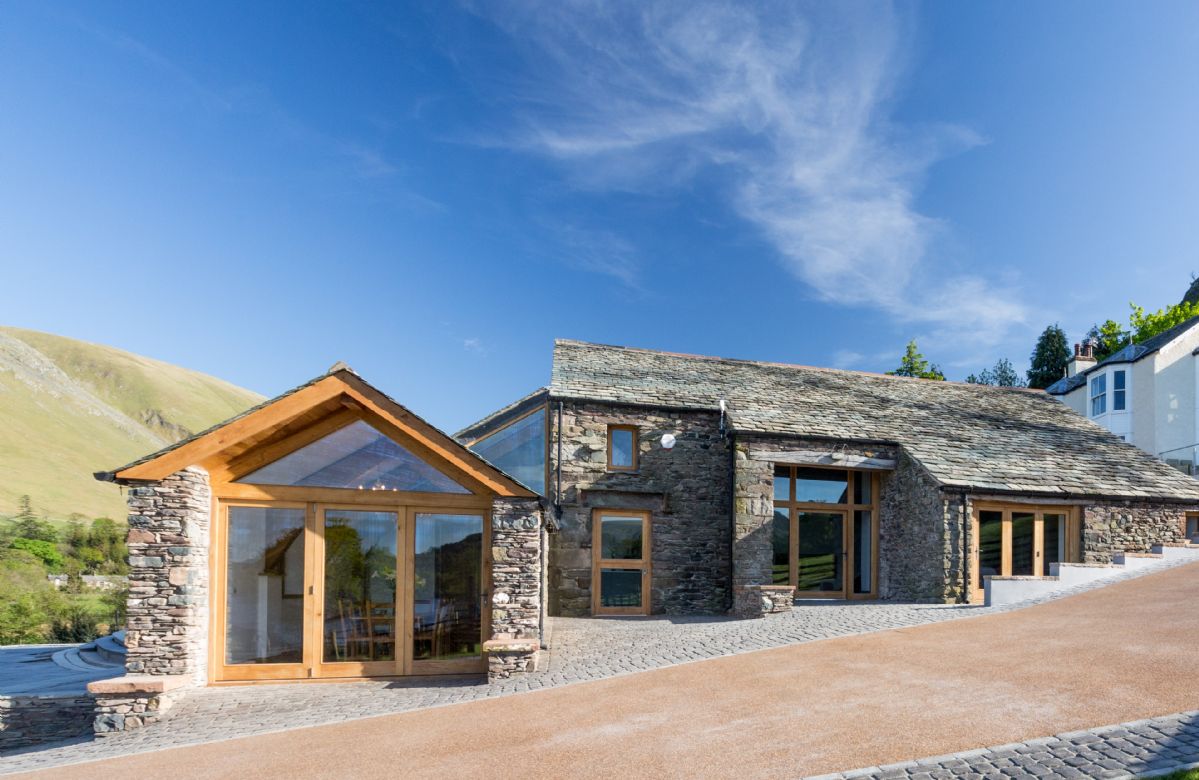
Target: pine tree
column 1049, row 358
column 914, row 364
column 24, row 509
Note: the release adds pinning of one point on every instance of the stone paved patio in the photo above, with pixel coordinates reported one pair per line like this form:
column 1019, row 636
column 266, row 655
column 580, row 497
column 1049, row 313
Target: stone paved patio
column 582, row 650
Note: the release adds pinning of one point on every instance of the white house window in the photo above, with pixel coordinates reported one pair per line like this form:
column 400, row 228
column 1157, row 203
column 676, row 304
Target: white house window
column 1099, row 395
column 1118, row 391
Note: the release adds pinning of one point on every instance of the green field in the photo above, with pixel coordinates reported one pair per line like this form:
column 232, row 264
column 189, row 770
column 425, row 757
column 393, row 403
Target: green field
column 69, row 408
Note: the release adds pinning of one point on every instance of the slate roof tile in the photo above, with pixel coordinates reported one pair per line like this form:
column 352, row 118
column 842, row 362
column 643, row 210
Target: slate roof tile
column 969, row 436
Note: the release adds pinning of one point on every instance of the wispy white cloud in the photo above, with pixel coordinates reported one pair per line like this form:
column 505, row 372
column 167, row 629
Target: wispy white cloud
column 473, row 344
column 791, row 103
column 598, row 251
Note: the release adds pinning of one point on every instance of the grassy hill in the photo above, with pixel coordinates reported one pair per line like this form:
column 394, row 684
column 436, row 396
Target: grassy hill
column 69, row 408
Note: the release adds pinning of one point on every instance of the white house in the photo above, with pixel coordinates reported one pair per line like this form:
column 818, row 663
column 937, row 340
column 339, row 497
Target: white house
column 1145, row 393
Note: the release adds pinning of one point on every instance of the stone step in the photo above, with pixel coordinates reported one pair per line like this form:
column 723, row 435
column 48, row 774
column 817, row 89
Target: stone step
column 1009, row 590
column 1071, row 574
column 84, row 659
column 1176, row 551
column 112, row 651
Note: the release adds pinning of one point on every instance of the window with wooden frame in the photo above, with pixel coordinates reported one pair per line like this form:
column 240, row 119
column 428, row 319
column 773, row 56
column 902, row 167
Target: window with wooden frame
column 825, row 531
column 1021, row 540
column 1191, row 526
column 622, row 447
column 620, row 571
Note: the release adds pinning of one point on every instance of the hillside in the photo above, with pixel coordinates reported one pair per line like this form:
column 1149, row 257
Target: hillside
column 69, row 408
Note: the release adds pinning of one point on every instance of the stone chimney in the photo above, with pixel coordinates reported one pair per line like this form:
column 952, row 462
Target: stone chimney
column 1084, row 358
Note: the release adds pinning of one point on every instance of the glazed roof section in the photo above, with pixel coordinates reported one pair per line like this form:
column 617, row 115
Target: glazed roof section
column 974, row 437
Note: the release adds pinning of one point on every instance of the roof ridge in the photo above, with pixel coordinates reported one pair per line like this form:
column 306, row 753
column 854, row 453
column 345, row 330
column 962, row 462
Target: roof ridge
column 779, row 364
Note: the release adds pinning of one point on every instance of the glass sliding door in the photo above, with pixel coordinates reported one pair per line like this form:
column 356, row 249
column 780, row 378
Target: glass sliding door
column 263, row 583
column 447, row 591
column 620, row 562
column 359, row 579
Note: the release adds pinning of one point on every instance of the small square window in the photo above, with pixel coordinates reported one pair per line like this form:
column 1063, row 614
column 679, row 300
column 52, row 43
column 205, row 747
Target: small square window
column 622, row 447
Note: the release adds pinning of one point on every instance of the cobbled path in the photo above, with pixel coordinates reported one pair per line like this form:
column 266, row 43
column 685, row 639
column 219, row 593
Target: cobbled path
column 1145, row 748
column 582, row 649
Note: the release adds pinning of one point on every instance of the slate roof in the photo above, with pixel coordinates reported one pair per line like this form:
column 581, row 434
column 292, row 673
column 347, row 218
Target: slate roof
column 974, row 437
column 1130, row 354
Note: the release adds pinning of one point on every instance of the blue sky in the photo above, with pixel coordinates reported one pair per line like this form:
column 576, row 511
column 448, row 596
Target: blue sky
column 432, row 192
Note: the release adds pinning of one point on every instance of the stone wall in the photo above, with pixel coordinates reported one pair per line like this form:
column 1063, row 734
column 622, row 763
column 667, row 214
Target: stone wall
column 32, row 720
column 685, row 489
column 115, row 713
column 1129, row 527
column 168, row 576
column 753, row 516
column 921, row 533
column 755, row 601
column 516, row 576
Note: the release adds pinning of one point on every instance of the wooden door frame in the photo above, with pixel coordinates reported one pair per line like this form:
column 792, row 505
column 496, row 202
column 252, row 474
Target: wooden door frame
column 849, row 510
column 474, row 664
column 644, row 564
column 832, row 509
column 339, row 669
column 1072, row 546
column 219, row 598
column 313, row 667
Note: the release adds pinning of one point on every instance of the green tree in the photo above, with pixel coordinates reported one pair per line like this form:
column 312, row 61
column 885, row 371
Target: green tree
column 1049, row 358
column 27, row 600
column 1146, row 326
column 1108, row 339
column 1002, row 375
column 914, row 364
column 74, row 623
column 24, row 509
column 44, row 551
column 1111, row 336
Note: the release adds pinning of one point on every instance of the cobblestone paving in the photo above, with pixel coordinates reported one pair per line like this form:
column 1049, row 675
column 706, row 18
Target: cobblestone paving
column 582, row 649
column 1145, row 748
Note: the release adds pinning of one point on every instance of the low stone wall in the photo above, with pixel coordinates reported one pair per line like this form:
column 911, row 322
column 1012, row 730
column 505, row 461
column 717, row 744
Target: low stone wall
column 755, row 601
column 33, row 720
column 115, row 713
column 130, row 702
column 508, row 657
column 1108, row 529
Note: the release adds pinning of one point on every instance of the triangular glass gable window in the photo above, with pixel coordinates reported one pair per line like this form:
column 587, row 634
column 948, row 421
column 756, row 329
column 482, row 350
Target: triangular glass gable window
column 356, row 457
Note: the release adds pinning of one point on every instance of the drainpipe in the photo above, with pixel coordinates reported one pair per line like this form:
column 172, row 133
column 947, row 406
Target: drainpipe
column 554, row 507
column 558, row 464
column 967, row 528
column 732, row 477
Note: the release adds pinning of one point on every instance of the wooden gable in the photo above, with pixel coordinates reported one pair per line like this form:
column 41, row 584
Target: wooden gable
column 295, row 419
